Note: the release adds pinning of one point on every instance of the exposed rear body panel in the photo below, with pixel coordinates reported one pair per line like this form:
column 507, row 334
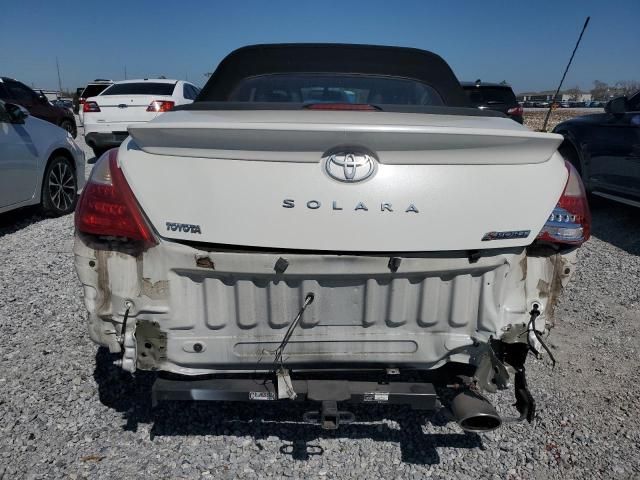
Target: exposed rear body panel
column 434, row 308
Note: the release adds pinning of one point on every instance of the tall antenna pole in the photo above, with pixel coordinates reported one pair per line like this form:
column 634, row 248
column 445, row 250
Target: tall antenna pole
column 546, row 119
column 125, row 72
column 59, row 80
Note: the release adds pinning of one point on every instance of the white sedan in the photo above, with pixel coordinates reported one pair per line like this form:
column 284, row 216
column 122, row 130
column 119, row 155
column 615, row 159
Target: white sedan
column 107, row 115
column 40, row 164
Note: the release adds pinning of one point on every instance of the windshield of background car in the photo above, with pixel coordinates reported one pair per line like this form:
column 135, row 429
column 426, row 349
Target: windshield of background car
column 490, row 96
column 335, row 88
column 92, row 90
column 142, row 88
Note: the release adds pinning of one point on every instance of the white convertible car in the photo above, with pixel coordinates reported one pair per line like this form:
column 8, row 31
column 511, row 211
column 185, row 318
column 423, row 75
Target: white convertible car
column 334, row 224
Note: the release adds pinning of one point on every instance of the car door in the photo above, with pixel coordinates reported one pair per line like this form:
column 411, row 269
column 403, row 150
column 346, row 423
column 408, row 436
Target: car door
column 23, row 95
column 18, row 161
column 615, row 151
column 634, row 155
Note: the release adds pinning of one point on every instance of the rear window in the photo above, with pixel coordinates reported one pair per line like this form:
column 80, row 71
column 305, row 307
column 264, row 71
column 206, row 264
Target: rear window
column 490, row 96
column 334, row 88
column 93, row 90
column 141, row 88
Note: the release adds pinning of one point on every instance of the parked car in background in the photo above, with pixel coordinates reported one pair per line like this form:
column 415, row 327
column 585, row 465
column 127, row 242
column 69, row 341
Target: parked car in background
column 129, row 102
column 13, row 91
column 594, row 104
column 76, row 100
column 63, row 103
column 331, row 223
column 40, row 164
column 494, row 96
column 91, row 90
column 605, row 149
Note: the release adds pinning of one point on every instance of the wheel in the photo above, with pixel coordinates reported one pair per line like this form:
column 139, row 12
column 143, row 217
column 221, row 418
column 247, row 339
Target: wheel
column 568, row 151
column 570, row 154
column 59, row 187
column 70, row 127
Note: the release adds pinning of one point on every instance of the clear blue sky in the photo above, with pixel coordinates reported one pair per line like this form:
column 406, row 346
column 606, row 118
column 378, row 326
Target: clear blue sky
column 526, row 43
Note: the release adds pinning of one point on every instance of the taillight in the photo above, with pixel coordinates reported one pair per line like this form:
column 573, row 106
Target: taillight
column 81, row 101
column 359, row 107
column 160, row 106
column 516, row 111
column 107, row 206
column 90, row 107
column 570, row 221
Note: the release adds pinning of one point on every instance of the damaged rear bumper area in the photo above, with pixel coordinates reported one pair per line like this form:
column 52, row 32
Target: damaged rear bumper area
column 333, row 395
column 241, row 325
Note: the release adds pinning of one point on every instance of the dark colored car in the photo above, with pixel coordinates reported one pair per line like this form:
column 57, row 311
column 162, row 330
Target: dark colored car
column 605, row 149
column 494, row 96
column 76, row 100
column 63, row 103
column 13, row 91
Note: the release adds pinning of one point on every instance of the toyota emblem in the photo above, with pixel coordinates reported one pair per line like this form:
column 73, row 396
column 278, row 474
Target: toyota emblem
column 350, row 167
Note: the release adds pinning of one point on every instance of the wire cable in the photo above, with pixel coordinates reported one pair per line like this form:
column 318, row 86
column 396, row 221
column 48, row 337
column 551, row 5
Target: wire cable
column 278, row 353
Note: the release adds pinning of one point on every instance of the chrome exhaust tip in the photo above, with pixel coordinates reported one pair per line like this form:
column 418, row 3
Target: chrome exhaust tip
column 474, row 413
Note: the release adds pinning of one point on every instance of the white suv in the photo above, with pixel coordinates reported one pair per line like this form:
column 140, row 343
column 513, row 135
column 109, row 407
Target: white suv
column 107, row 115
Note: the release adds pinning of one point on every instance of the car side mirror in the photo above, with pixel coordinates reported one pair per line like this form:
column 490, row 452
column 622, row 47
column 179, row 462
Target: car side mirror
column 616, row 106
column 17, row 113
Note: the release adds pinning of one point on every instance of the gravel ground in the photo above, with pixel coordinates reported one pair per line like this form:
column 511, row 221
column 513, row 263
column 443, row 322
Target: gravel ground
column 66, row 412
column 534, row 117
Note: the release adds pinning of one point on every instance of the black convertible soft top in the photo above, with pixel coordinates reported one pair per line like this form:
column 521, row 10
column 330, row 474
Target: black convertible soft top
column 400, row 62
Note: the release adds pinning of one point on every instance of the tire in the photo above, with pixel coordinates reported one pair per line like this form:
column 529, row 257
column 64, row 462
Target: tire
column 98, row 151
column 59, row 187
column 70, row 127
column 568, row 151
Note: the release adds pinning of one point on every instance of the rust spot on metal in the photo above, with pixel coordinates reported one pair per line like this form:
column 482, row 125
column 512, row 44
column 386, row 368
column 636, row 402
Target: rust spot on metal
column 205, row 262
column 543, row 288
column 155, row 290
column 551, row 291
column 151, row 345
column 523, row 267
column 104, row 292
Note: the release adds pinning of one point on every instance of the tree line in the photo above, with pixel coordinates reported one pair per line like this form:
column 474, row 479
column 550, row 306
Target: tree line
column 604, row 91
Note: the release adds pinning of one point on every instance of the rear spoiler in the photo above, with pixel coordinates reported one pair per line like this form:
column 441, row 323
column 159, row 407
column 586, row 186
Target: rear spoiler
column 427, row 109
column 393, row 138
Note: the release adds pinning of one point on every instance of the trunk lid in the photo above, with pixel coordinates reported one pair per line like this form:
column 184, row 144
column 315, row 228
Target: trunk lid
column 286, row 180
column 126, row 108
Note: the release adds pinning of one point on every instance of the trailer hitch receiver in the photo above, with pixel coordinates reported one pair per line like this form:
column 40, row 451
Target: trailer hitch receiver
column 329, row 417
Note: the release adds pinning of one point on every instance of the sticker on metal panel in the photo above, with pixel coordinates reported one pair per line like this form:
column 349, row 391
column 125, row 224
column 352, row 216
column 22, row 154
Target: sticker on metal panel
column 262, row 396
column 376, row 397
